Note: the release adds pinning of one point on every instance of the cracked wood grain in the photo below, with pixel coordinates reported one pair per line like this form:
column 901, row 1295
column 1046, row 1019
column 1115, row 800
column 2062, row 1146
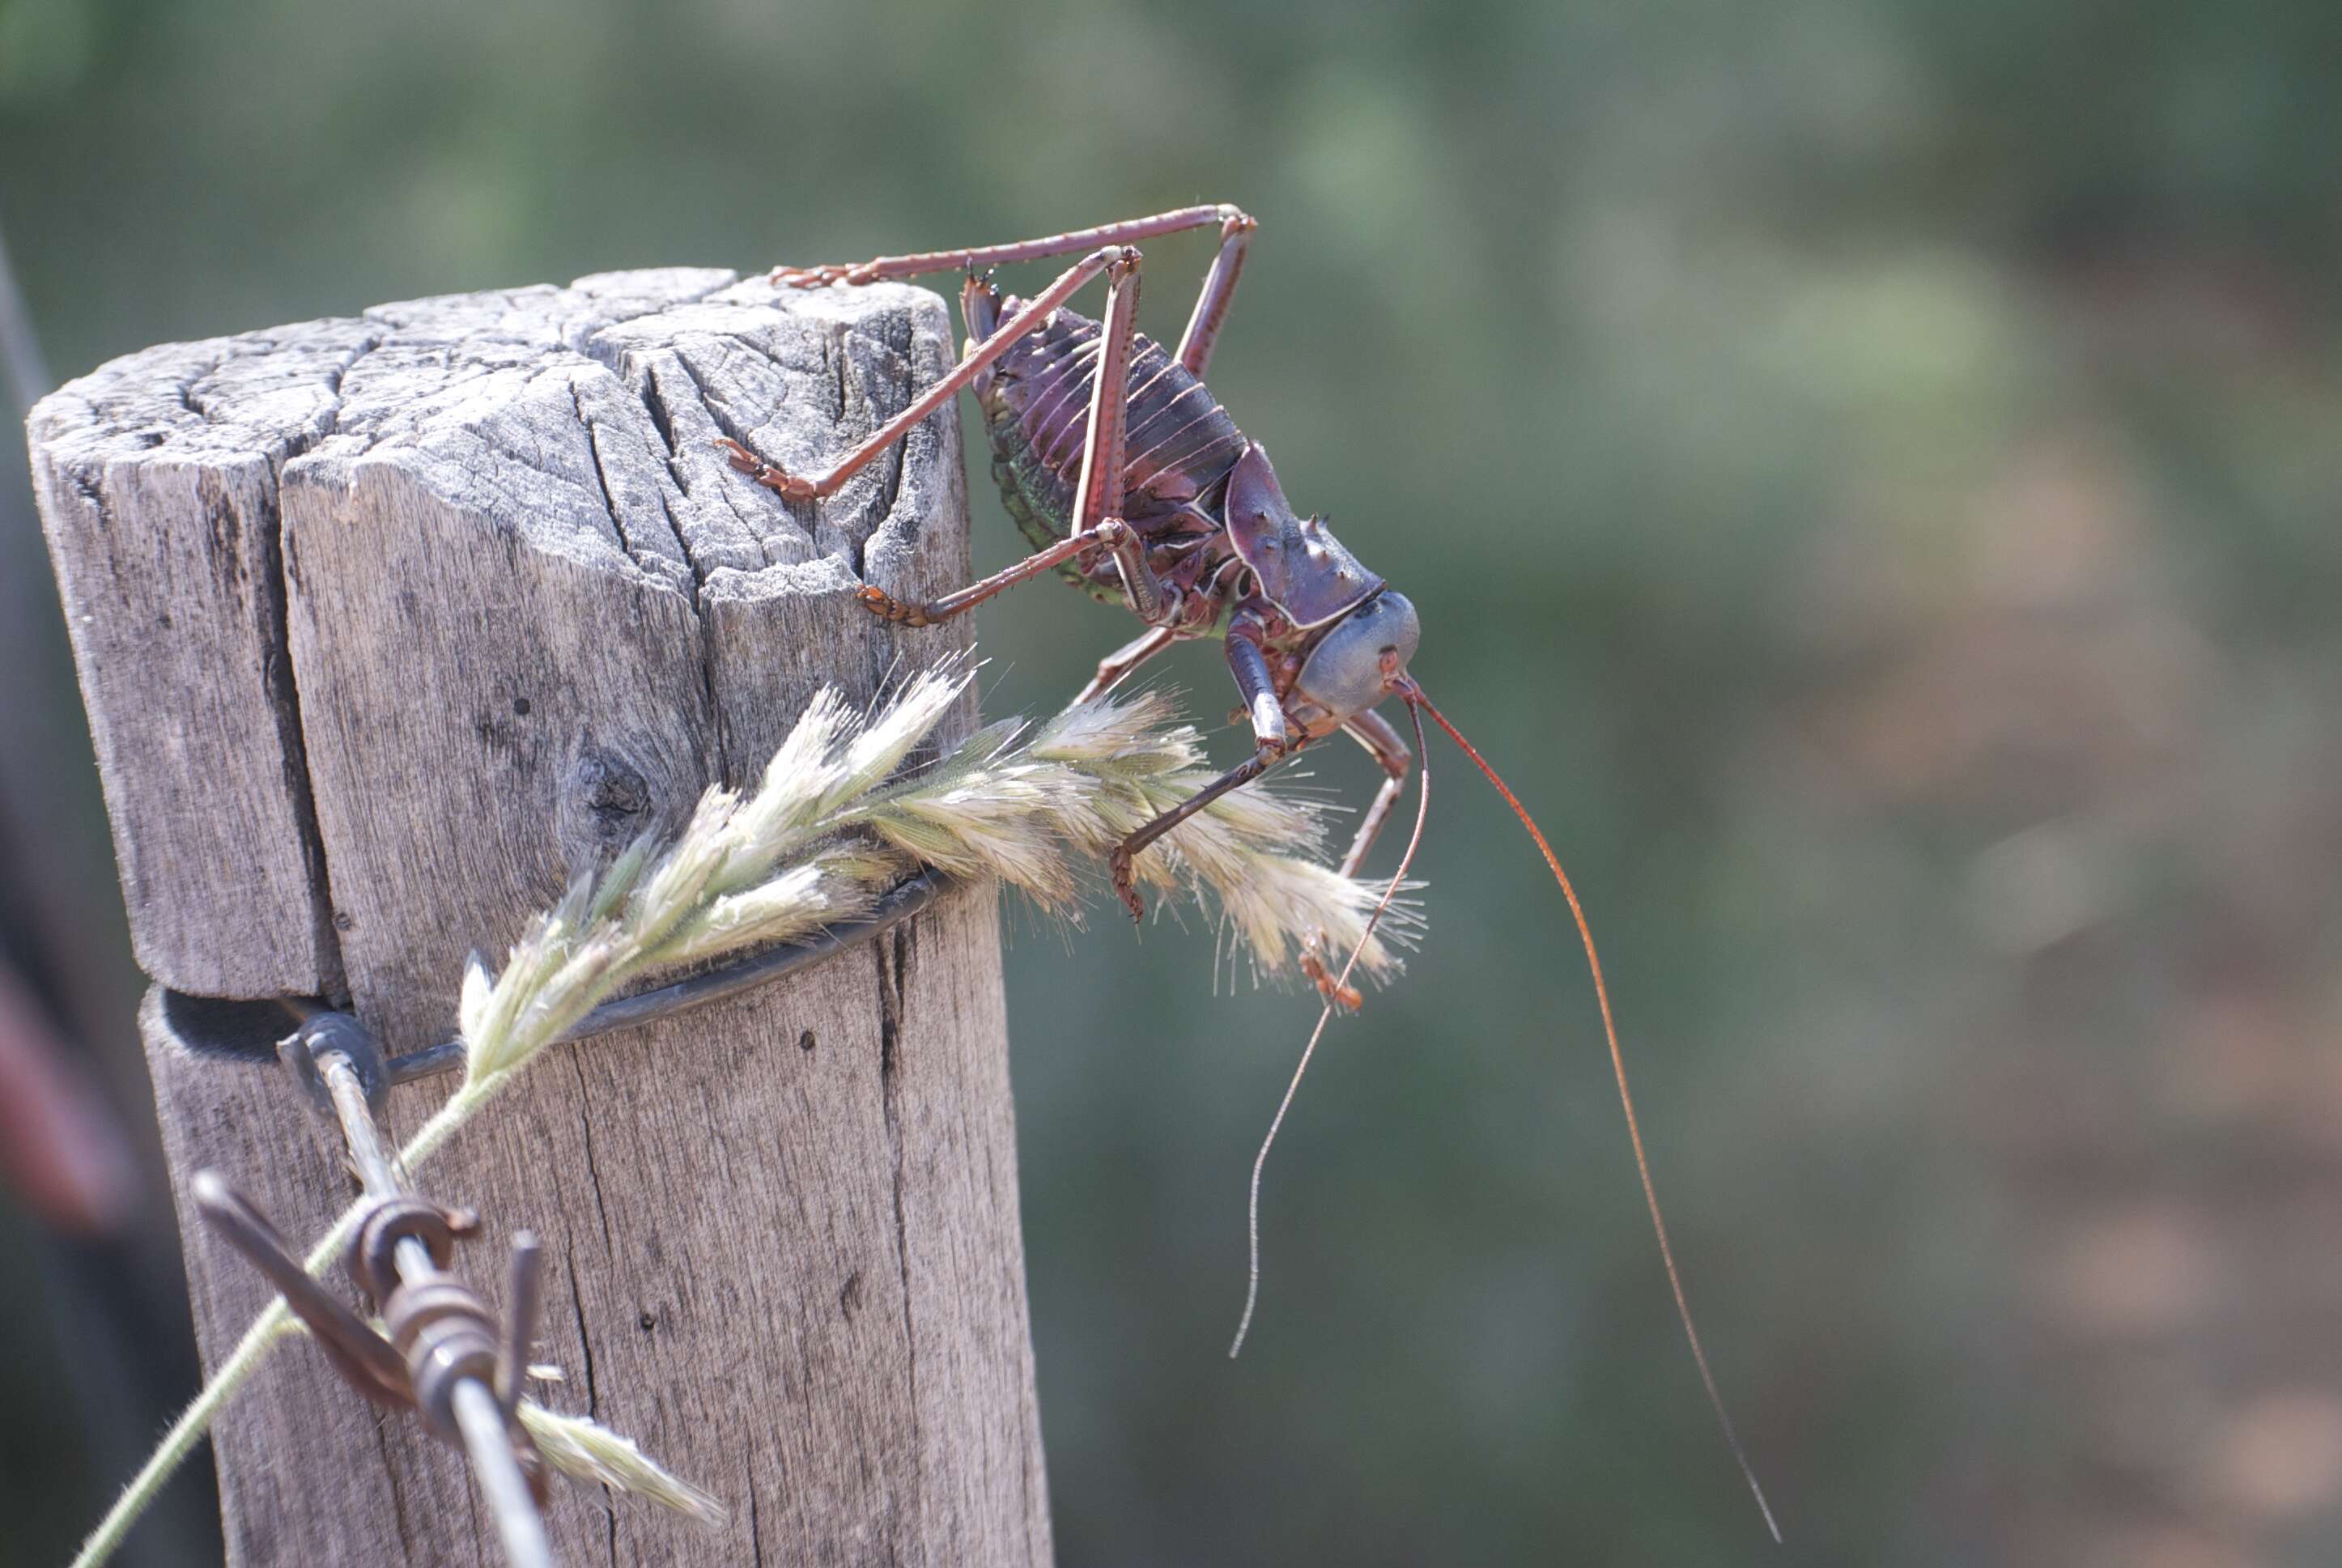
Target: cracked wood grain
column 388, row 625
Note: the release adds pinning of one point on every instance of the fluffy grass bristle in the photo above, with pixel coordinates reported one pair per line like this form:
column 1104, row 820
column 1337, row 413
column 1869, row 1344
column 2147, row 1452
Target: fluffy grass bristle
column 833, row 823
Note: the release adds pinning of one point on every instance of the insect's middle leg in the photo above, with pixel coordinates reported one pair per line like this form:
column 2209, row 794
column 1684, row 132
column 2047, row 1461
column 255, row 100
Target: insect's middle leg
column 1271, row 743
column 1098, row 498
column 1114, row 534
column 1381, row 737
column 1118, row 863
column 1118, row 664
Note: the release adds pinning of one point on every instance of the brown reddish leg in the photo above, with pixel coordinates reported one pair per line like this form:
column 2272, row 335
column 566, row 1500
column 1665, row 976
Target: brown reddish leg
column 1196, row 344
column 1100, row 493
column 1097, row 501
column 1272, row 744
column 1036, row 311
column 1115, row 666
column 1119, row 862
column 1113, row 534
column 1130, row 231
column 1219, row 287
column 1381, row 737
column 1097, row 495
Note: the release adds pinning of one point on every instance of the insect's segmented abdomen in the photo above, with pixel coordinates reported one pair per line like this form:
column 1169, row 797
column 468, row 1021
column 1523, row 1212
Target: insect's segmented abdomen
column 1180, row 445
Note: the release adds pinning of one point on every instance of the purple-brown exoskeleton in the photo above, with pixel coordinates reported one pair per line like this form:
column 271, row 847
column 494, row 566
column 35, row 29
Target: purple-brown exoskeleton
column 1128, row 477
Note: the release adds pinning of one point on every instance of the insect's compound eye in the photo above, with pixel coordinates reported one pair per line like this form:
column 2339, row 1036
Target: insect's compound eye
column 1343, row 673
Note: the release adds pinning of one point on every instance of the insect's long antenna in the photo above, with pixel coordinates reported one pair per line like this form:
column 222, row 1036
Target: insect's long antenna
column 1422, row 809
column 1626, row 1099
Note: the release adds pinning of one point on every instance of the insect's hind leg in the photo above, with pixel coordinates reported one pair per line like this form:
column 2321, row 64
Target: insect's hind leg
column 1212, row 300
column 980, row 357
column 1098, row 499
column 1203, row 331
column 1130, row 231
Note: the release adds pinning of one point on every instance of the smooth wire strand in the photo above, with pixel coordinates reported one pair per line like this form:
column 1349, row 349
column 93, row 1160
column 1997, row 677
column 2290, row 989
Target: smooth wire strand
column 1626, row 1100
column 1252, row 1213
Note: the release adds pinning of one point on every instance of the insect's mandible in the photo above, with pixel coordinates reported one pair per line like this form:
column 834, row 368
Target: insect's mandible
column 1128, row 477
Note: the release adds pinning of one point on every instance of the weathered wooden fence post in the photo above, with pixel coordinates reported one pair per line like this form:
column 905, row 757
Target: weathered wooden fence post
column 384, row 625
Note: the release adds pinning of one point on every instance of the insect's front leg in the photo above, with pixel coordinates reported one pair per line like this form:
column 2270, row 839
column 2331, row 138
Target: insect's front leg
column 1263, row 708
column 1381, row 737
column 1271, row 743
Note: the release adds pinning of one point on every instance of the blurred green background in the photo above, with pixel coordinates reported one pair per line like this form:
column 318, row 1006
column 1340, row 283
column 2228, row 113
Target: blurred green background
column 1869, row 473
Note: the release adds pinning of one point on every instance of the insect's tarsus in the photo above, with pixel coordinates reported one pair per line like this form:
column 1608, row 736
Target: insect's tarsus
column 1626, row 1100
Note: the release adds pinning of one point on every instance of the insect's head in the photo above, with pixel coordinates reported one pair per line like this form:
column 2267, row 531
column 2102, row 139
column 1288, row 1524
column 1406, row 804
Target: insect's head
column 1354, row 665
column 1361, row 634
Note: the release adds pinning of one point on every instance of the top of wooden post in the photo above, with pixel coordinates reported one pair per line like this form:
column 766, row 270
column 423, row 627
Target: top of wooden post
column 247, row 529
